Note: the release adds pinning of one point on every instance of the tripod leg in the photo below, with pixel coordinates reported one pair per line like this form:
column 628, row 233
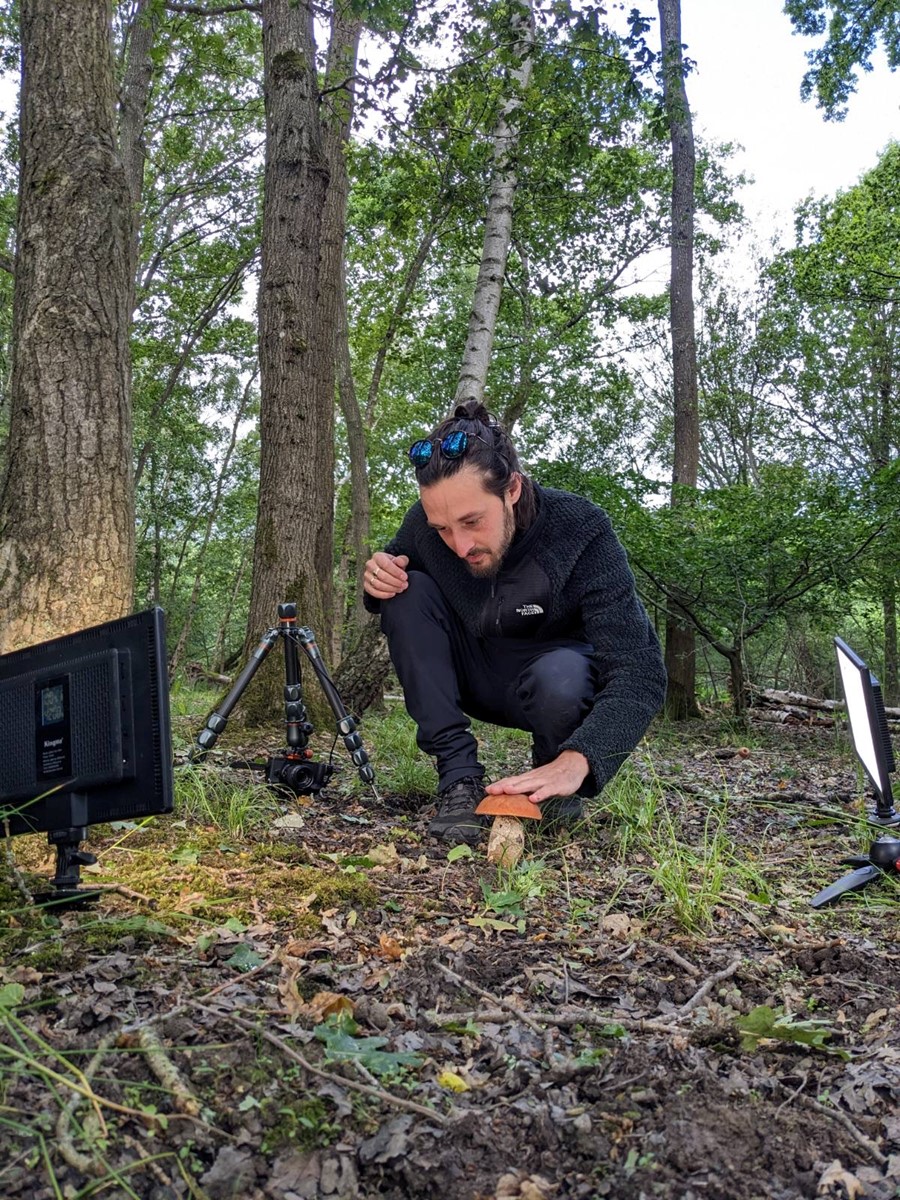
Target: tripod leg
column 847, row 883
column 217, row 720
column 297, row 725
column 345, row 722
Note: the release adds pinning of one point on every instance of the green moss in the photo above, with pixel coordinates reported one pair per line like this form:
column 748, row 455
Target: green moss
column 106, row 936
column 285, row 852
column 52, row 956
column 335, row 890
column 289, row 64
column 302, row 925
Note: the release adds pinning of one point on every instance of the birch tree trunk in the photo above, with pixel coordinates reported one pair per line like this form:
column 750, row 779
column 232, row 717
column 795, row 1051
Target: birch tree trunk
column 498, row 221
column 681, row 699
column 66, row 502
column 366, row 665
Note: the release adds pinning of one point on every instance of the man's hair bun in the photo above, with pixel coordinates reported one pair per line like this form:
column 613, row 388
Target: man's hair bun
column 473, row 410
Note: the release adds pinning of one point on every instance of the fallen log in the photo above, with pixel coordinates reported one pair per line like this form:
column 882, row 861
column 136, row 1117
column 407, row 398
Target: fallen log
column 195, row 671
column 791, row 701
column 791, row 716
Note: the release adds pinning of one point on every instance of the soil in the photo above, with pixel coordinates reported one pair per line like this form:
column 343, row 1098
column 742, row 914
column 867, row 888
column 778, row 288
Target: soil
column 330, row 1007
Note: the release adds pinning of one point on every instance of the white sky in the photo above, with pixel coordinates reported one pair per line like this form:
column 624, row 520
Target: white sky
column 746, row 88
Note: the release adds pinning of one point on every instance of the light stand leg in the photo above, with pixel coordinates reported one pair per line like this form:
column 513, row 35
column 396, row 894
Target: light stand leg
column 66, row 891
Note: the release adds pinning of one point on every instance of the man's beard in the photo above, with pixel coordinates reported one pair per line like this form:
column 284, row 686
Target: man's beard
column 494, row 562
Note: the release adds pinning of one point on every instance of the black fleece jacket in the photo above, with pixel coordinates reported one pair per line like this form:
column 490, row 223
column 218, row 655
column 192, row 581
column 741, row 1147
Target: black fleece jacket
column 567, row 576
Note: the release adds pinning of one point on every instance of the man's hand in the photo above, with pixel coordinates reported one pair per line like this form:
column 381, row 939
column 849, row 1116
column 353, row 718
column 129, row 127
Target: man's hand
column 562, row 777
column 386, row 575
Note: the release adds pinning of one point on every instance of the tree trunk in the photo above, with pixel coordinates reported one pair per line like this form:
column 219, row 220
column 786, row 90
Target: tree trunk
column 737, row 684
column 337, row 118
column 364, row 668
column 135, row 97
column 891, row 686
column 498, row 222
column 681, row 701
column 292, row 557
column 66, row 505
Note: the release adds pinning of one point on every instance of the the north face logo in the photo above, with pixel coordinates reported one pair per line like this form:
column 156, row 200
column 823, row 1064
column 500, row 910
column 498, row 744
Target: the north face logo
column 530, row 610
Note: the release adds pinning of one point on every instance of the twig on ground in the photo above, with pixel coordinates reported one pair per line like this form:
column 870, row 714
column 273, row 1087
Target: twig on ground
column 340, row 1080
column 844, row 1121
column 127, row 892
column 672, row 954
column 86, row 1164
column 564, row 1020
column 244, row 976
column 163, row 1068
column 480, row 991
column 706, row 987
column 793, row 1096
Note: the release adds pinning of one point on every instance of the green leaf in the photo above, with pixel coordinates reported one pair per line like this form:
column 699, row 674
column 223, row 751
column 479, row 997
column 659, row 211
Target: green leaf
column 494, row 923
column 342, row 1046
column 245, row 958
column 186, row 856
column 458, row 852
column 502, row 902
column 767, row 1023
column 11, row 995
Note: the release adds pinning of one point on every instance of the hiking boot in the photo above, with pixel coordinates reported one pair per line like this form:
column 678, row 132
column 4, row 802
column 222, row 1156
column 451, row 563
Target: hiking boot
column 557, row 811
column 456, row 819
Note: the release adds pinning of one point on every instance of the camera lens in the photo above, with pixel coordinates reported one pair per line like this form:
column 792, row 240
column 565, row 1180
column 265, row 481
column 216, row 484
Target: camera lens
column 299, row 777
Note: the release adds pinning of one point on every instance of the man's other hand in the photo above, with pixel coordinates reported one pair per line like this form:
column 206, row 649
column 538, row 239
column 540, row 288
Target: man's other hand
column 386, row 575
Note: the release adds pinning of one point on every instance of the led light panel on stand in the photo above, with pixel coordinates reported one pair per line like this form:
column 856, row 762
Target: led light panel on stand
column 872, row 743
column 868, row 729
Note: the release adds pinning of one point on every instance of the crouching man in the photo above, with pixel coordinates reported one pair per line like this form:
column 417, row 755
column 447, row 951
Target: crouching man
column 512, row 603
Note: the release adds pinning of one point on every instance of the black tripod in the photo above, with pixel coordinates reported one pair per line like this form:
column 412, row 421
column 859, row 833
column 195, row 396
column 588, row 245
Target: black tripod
column 884, row 853
column 883, row 858
column 293, row 771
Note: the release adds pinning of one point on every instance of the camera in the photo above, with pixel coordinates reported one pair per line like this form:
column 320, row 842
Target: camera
column 302, row 777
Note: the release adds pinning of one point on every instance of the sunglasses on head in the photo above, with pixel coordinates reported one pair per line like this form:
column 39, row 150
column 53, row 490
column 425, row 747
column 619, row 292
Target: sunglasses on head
column 454, row 445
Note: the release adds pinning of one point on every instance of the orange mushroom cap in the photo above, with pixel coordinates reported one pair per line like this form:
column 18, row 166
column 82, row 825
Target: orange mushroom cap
column 509, row 806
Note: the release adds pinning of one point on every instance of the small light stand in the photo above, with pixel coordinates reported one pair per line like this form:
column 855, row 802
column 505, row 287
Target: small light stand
column 872, row 743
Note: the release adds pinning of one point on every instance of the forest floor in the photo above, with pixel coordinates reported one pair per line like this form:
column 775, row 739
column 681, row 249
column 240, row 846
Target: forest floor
column 320, row 1002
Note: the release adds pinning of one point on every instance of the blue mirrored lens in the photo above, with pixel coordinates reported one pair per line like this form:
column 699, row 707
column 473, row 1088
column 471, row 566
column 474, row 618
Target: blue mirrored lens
column 454, row 444
column 420, row 452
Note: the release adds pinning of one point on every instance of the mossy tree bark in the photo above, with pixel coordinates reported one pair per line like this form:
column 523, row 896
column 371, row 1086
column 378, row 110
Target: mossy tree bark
column 66, row 503
column 294, row 533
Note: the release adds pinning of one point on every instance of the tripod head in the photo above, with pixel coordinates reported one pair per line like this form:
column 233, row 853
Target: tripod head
column 293, row 771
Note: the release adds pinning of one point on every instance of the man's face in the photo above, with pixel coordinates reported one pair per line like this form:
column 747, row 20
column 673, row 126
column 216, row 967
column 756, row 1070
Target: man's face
column 476, row 525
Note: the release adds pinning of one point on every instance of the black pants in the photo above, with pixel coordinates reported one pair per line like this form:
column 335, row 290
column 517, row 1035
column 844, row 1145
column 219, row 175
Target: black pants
column 447, row 676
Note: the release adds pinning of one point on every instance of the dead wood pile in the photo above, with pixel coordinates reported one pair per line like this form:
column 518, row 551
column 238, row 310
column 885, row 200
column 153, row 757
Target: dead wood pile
column 793, row 708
